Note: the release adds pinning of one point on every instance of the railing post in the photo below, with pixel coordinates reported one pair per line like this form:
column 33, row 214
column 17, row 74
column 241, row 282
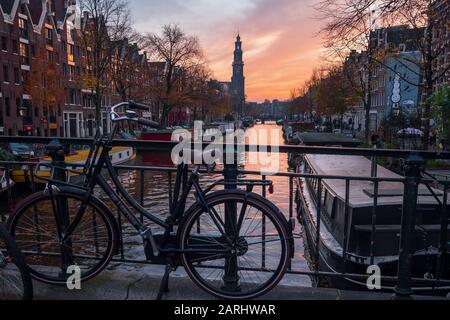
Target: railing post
column 231, row 277
column 56, row 151
column 412, row 167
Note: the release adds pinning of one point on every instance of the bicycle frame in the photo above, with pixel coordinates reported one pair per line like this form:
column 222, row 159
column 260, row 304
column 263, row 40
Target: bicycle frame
column 100, row 151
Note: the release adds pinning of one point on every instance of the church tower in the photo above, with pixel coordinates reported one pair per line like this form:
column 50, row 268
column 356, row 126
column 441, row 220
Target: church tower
column 238, row 79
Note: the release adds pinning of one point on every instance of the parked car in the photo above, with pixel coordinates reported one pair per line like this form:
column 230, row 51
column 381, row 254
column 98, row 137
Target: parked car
column 20, row 151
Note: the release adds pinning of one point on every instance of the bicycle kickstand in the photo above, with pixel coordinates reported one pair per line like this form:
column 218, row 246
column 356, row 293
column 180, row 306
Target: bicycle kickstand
column 164, row 286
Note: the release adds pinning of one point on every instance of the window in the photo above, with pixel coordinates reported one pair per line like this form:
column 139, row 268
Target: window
column 24, row 53
column 7, row 107
column 72, row 96
column 70, row 52
column 23, row 28
column 18, row 107
column 71, row 73
column 4, row 44
column 50, row 57
column 24, row 76
column 15, row 47
column 1, row 113
column 70, row 49
column 16, row 76
column 49, row 36
column 5, row 73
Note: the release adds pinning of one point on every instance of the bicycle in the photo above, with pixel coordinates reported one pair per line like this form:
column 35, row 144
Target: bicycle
column 15, row 279
column 218, row 240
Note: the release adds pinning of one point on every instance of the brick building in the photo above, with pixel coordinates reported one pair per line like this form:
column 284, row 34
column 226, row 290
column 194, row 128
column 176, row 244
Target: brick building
column 42, row 63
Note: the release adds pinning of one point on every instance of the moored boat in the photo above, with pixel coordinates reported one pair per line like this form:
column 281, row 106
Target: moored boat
column 346, row 231
column 5, row 182
column 23, row 175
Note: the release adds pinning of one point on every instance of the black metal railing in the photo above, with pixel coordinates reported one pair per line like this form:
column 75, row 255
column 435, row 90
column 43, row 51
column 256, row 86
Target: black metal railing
column 413, row 177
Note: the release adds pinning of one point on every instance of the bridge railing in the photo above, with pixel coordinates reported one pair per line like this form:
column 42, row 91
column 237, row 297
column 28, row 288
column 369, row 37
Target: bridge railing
column 413, row 177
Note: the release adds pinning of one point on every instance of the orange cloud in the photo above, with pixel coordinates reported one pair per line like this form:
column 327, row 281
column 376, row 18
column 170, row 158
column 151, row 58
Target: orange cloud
column 280, row 50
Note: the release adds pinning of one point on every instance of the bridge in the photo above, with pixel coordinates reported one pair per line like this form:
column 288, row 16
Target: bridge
column 413, row 162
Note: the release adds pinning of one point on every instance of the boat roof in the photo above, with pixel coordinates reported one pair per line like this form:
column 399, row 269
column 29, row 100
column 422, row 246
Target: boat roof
column 327, row 139
column 362, row 192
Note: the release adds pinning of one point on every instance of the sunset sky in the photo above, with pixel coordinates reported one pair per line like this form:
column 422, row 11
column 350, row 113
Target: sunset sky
column 280, row 49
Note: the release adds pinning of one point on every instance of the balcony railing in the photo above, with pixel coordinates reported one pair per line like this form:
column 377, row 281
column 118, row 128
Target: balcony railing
column 411, row 180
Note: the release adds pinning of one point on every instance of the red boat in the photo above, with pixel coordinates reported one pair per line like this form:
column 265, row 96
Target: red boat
column 158, row 158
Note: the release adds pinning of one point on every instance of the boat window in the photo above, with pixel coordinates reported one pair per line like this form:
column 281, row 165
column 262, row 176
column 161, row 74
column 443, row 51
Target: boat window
column 120, row 155
column 328, row 203
column 324, row 197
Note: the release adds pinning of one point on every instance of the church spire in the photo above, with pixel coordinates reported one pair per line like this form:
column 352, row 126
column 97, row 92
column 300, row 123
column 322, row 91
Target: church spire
column 238, row 79
column 238, row 50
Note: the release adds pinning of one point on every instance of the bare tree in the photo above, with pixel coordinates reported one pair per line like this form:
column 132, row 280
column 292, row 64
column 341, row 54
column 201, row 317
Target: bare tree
column 183, row 58
column 347, row 22
column 418, row 14
column 104, row 23
column 129, row 70
column 333, row 94
column 348, row 27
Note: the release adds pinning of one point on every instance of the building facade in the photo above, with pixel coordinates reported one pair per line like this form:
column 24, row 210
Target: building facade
column 401, row 85
column 395, row 75
column 43, row 88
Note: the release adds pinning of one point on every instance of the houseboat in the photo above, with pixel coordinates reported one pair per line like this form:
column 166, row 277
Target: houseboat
column 350, row 227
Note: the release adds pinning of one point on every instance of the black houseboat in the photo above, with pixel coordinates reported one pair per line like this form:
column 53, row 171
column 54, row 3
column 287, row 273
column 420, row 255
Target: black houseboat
column 350, row 226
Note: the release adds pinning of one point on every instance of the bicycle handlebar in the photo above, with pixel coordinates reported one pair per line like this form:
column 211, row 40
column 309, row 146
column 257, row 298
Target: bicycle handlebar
column 137, row 106
column 130, row 115
column 148, row 123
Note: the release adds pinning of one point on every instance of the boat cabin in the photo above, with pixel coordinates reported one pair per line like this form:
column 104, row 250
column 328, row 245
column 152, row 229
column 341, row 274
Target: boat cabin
column 348, row 218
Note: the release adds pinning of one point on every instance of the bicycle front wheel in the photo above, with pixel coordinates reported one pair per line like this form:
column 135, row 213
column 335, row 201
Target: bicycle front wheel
column 15, row 280
column 238, row 249
column 38, row 226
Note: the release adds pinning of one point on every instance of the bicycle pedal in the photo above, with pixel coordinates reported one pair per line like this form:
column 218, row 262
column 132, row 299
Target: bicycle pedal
column 163, row 258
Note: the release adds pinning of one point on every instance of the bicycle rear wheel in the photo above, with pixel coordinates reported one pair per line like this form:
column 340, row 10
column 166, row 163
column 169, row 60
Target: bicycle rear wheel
column 37, row 226
column 249, row 260
column 15, row 280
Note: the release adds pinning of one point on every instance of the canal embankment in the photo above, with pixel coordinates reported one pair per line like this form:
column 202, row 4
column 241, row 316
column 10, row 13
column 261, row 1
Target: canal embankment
column 131, row 285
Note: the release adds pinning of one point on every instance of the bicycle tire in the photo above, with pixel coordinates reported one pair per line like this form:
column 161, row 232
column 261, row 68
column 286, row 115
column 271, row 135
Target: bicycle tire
column 16, row 257
column 270, row 212
column 101, row 211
